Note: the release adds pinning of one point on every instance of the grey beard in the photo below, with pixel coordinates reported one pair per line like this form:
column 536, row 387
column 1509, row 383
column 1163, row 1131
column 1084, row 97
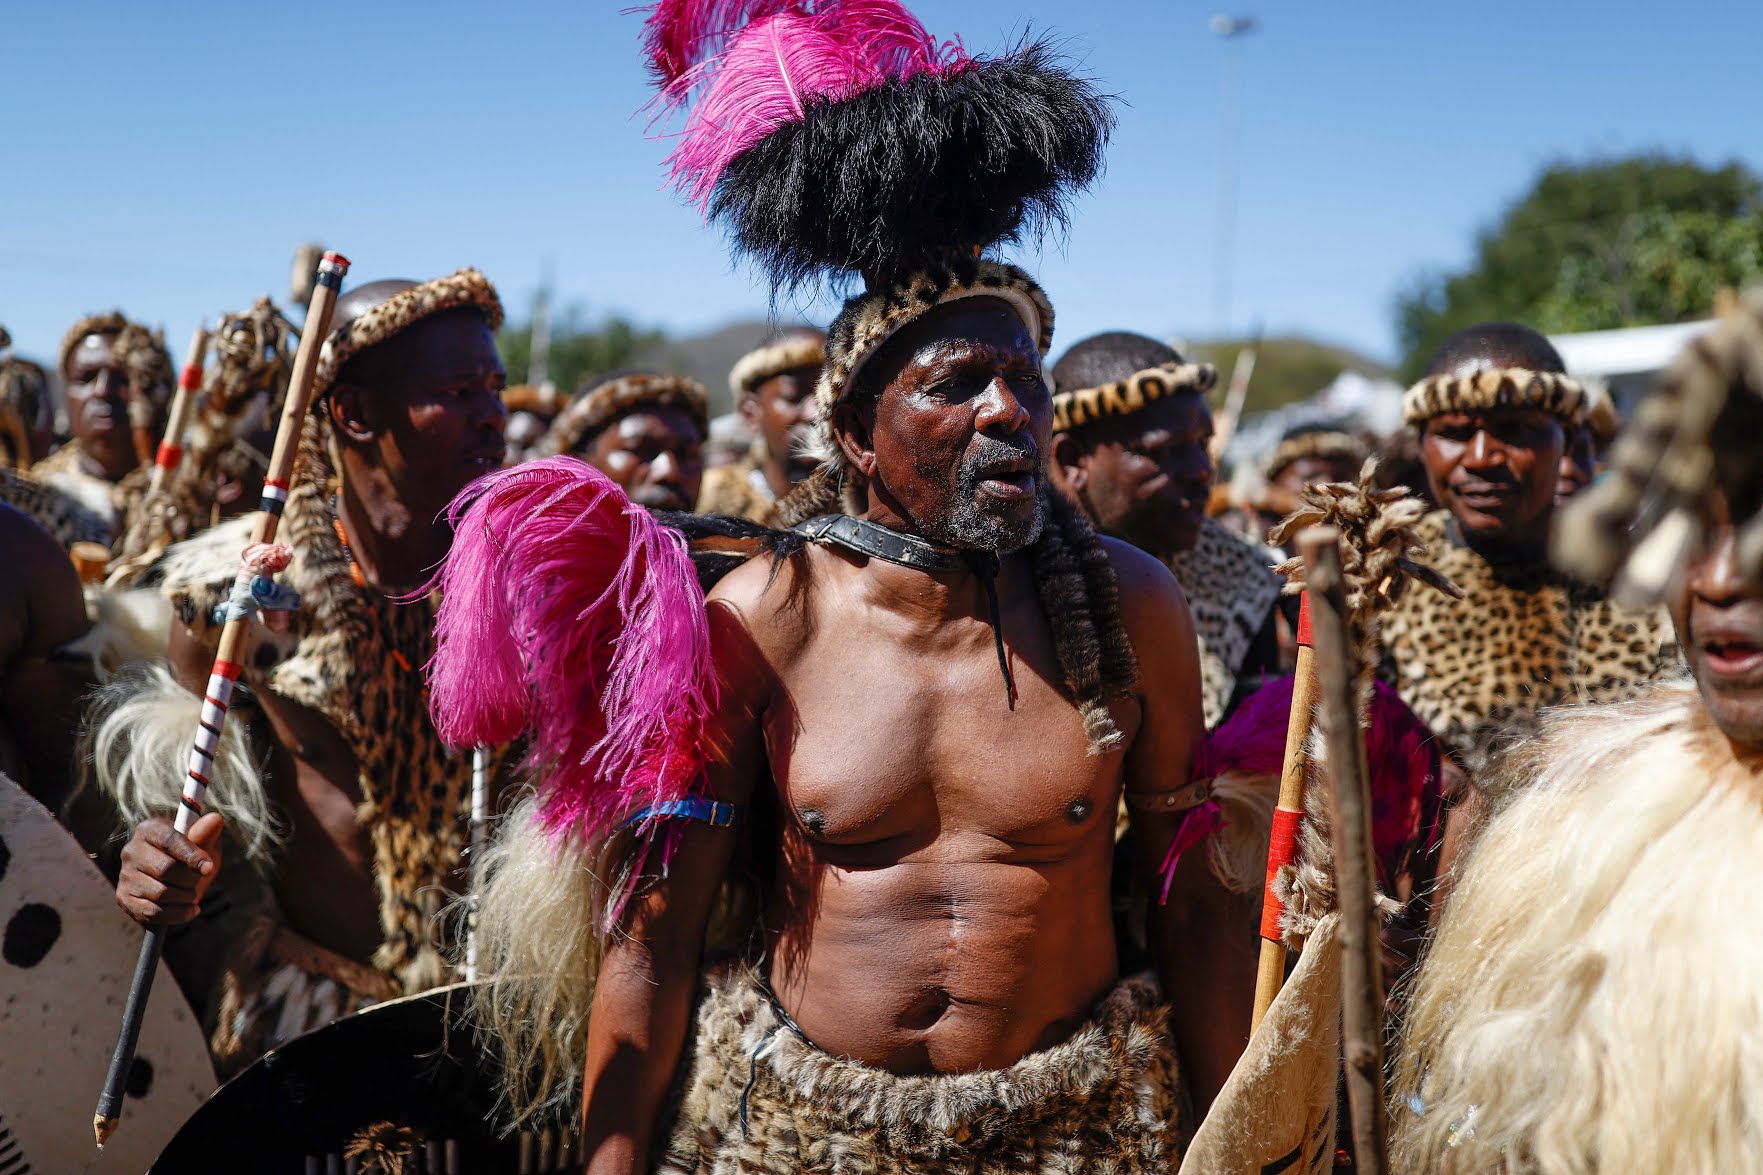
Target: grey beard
column 970, row 528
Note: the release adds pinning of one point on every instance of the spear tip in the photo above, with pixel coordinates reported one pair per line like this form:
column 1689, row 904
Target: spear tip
column 103, row 1128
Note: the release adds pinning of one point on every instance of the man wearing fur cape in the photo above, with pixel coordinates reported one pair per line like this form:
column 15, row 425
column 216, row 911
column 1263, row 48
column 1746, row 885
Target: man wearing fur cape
column 332, row 779
column 910, row 723
column 1590, row 1002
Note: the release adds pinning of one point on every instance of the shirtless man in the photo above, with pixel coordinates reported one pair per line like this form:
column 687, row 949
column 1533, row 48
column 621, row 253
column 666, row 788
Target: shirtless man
column 942, row 900
column 41, row 610
column 371, row 803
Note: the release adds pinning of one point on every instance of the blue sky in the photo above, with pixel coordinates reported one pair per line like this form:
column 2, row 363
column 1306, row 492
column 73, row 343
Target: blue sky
column 166, row 157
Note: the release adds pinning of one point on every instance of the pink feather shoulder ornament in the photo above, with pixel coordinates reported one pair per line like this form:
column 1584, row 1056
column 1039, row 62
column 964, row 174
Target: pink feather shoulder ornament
column 572, row 617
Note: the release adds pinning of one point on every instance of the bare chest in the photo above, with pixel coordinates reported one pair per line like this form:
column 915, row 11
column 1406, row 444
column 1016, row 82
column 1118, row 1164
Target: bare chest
column 898, row 749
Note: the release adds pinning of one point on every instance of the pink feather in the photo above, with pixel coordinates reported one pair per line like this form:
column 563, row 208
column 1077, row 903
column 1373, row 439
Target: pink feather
column 569, row 615
column 1400, row 752
column 775, row 66
column 679, row 34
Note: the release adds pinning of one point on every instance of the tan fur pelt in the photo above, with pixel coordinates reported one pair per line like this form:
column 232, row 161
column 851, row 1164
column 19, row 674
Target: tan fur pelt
column 60, row 513
column 734, row 490
column 540, row 909
column 795, row 350
column 1231, row 590
column 111, row 502
column 1105, row 1099
column 141, row 350
column 1078, row 407
column 1591, row 1001
column 356, row 657
column 1495, row 387
column 598, row 407
column 1523, row 638
column 464, row 287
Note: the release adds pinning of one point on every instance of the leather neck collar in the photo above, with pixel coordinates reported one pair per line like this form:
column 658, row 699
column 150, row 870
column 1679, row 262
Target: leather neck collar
column 880, row 542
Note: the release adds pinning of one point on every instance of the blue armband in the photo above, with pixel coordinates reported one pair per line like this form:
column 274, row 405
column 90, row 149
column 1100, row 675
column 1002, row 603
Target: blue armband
column 701, row 808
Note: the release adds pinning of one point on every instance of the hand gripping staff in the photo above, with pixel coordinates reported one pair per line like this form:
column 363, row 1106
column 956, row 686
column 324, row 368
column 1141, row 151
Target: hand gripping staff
column 259, row 559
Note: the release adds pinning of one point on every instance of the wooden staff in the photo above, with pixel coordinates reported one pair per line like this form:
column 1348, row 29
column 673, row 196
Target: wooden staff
column 183, row 406
column 480, row 817
column 1350, row 829
column 227, row 664
column 1282, row 848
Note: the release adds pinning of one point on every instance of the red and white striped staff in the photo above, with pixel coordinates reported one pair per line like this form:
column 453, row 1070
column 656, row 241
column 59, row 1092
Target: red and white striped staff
column 260, row 558
column 183, row 406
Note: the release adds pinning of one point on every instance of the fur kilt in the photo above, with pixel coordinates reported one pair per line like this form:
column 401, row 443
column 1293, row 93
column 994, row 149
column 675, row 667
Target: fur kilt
column 755, row 1096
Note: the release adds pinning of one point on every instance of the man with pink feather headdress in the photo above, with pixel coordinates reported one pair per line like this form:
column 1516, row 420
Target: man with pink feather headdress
column 816, row 871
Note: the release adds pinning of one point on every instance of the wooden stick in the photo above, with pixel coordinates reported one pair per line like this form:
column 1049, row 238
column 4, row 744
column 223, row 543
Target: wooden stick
column 227, row 665
column 1337, row 669
column 480, row 824
column 1282, row 848
column 1241, row 372
column 183, row 406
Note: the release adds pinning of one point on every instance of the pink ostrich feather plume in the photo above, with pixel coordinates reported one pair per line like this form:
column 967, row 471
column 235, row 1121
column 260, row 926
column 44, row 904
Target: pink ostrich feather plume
column 764, row 76
column 569, row 615
column 1401, row 757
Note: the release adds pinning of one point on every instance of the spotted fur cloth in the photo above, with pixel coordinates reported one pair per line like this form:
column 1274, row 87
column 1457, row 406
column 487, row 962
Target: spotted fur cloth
column 738, row 489
column 109, row 502
column 356, row 658
column 60, row 513
column 1524, row 637
column 757, row 1097
column 1231, row 591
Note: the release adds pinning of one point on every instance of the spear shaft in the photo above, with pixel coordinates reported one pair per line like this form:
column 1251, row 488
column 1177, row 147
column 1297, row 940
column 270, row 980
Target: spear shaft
column 1282, row 849
column 227, row 666
column 183, row 406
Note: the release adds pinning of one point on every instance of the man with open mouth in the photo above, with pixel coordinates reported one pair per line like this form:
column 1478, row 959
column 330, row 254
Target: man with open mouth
column 1590, row 1001
column 1493, row 414
column 919, row 707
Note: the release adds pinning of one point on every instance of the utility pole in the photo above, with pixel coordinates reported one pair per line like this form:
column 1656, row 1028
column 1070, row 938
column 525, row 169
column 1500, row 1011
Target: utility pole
column 538, row 371
column 1231, row 29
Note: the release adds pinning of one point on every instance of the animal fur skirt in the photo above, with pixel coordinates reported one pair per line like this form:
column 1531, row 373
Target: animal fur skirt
column 755, row 1096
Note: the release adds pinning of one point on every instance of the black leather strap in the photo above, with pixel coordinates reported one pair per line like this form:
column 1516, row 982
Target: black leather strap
column 909, row 550
column 880, row 542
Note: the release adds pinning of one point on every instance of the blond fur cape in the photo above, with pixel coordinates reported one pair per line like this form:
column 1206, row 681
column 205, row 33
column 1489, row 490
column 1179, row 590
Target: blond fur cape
column 1591, row 1002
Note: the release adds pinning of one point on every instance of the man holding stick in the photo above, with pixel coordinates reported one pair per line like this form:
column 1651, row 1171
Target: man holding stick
column 937, row 699
column 361, row 809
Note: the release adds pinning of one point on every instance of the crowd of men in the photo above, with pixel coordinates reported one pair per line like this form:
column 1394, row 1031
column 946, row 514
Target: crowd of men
column 866, row 800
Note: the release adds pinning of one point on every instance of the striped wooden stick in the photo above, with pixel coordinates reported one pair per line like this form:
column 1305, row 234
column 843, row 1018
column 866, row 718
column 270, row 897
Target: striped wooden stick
column 183, row 406
column 227, row 663
column 1282, row 849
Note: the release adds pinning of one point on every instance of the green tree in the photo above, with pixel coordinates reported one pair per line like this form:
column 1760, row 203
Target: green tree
column 1591, row 246
column 579, row 350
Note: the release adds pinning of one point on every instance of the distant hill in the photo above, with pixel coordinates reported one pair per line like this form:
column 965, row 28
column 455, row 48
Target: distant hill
column 708, row 357
column 1287, row 368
